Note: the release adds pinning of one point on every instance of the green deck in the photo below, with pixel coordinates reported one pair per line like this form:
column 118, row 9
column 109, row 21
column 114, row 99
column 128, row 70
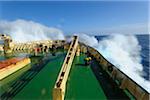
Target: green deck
column 41, row 86
column 82, row 82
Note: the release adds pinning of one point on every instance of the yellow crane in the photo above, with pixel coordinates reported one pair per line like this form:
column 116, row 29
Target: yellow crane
column 7, row 43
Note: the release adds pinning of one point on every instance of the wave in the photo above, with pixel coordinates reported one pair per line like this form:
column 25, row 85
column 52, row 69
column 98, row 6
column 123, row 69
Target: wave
column 123, row 51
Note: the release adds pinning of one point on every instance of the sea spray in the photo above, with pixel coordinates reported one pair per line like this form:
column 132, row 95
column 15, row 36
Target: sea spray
column 23, row 31
column 123, row 51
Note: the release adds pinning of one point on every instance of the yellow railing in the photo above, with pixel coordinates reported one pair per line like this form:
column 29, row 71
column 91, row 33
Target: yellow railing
column 60, row 85
column 125, row 82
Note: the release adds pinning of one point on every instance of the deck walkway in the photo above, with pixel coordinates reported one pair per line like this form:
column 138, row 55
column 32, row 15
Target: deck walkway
column 82, row 83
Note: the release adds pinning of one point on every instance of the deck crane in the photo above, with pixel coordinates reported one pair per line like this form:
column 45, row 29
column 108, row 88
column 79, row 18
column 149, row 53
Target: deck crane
column 7, row 43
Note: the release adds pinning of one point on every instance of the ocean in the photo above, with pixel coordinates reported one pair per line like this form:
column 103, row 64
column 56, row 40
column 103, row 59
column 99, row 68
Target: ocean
column 144, row 42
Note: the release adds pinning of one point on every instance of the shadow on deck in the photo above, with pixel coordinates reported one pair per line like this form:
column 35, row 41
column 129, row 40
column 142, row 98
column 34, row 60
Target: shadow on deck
column 110, row 88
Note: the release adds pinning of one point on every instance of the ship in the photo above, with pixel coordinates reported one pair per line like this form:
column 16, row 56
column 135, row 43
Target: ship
column 62, row 70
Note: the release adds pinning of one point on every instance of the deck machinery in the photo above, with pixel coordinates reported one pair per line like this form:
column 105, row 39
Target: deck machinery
column 29, row 47
column 75, row 48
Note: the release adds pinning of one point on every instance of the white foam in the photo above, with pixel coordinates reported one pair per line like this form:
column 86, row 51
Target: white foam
column 23, row 30
column 124, row 52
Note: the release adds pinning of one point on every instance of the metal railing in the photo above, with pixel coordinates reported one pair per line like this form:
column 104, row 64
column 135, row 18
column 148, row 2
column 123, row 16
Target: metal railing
column 124, row 81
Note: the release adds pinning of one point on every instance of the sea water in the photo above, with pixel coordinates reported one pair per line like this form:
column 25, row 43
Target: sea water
column 144, row 42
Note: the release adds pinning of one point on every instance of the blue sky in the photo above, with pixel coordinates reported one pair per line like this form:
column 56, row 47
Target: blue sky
column 76, row 16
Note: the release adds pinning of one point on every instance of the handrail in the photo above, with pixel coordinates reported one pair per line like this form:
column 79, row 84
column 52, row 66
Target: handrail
column 60, row 85
column 126, row 82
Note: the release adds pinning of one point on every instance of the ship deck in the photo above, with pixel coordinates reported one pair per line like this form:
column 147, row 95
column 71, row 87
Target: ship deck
column 37, row 80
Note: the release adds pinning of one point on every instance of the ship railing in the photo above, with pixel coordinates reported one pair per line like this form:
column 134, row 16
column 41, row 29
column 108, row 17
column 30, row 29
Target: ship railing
column 60, row 85
column 124, row 81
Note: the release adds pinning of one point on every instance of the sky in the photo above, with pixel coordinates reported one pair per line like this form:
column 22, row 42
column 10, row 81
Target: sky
column 92, row 17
